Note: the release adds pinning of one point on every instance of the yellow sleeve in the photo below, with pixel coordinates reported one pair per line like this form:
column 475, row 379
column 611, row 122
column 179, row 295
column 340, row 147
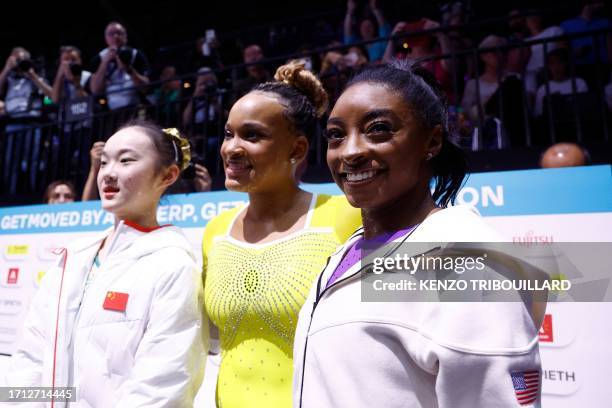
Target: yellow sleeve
column 336, row 212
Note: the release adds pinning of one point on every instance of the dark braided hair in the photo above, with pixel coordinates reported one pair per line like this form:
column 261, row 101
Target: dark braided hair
column 422, row 92
column 301, row 93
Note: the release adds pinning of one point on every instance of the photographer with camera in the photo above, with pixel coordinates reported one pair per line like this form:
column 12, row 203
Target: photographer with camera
column 71, row 80
column 22, row 90
column 119, row 69
column 203, row 112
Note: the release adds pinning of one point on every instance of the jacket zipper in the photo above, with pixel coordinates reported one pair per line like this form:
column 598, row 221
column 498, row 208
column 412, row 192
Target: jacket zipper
column 320, row 296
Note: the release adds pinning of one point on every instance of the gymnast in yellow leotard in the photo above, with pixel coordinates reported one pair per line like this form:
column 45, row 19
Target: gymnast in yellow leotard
column 260, row 260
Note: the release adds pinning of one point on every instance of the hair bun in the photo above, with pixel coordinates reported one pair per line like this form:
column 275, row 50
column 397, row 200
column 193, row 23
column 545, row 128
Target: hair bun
column 295, row 74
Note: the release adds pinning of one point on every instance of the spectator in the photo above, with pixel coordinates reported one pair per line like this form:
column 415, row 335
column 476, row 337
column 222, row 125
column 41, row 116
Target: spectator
column 491, row 101
column 60, row 192
column 72, row 84
column 337, row 68
column 22, row 90
column 90, row 191
column 166, row 96
column 207, row 52
column 536, row 60
column 119, row 69
column 71, row 80
column 203, row 113
column 517, row 56
column 367, row 29
column 424, row 47
column 256, row 73
column 478, row 91
column 560, row 82
column 455, row 12
column 590, row 18
column 464, row 67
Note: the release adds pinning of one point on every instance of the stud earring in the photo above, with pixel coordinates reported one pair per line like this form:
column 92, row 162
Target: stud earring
column 293, row 161
column 429, row 156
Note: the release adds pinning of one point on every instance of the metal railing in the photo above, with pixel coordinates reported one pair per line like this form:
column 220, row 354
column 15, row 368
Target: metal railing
column 52, row 147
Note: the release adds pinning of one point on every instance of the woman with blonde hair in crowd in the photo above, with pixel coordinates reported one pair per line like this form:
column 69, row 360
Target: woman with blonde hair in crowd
column 120, row 317
column 261, row 259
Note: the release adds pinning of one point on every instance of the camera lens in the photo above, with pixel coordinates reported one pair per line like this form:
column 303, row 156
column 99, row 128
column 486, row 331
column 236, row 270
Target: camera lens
column 24, row 65
column 125, row 55
column 76, row 69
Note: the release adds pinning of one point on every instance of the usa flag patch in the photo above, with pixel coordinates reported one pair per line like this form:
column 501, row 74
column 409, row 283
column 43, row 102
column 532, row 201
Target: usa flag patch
column 526, row 386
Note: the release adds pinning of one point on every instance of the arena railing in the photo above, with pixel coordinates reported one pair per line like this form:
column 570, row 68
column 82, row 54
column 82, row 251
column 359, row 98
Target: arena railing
column 36, row 153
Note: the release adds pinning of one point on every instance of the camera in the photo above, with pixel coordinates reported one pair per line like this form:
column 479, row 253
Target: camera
column 125, row 55
column 76, row 69
column 24, row 65
column 210, row 87
column 190, row 172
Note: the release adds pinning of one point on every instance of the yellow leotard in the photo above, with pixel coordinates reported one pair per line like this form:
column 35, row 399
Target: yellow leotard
column 253, row 293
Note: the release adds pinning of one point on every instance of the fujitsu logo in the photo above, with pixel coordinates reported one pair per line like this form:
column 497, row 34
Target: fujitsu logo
column 532, row 238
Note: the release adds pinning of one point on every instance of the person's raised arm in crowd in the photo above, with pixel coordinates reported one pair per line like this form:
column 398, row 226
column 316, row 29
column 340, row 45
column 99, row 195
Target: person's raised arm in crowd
column 9, row 65
column 40, row 82
column 390, row 50
column 90, row 191
column 351, row 5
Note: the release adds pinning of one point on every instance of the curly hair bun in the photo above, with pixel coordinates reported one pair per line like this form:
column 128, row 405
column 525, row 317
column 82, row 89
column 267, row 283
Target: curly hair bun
column 295, row 74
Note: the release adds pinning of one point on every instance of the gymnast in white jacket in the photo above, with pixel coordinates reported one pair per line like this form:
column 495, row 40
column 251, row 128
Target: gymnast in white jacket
column 387, row 140
column 120, row 317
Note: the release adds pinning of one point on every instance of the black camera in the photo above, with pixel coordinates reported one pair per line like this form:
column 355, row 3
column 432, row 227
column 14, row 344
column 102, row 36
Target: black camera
column 190, row 172
column 125, row 55
column 210, row 87
column 76, row 69
column 24, row 65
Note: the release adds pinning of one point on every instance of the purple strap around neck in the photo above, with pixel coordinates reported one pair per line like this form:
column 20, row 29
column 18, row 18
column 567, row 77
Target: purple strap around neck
column 353, row 255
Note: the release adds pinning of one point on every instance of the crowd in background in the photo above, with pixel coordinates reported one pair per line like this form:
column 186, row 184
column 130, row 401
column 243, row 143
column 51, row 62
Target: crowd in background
column 498, row 82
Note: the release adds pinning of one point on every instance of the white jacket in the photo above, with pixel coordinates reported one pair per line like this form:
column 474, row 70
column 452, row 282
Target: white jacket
column 350, row 353
column 151, row 354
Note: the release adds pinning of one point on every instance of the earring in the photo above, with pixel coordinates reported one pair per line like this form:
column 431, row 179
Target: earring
column 429, row 156
column 293, row 161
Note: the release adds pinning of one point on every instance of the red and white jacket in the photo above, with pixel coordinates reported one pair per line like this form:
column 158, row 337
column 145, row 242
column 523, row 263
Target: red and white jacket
column 147, row 347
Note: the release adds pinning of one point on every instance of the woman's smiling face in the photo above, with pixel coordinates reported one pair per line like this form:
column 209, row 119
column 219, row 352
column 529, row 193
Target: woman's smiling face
column 377, row 146
column 259, row 144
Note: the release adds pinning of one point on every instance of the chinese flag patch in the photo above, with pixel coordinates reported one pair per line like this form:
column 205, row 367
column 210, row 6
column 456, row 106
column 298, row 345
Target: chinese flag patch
column 116, row 301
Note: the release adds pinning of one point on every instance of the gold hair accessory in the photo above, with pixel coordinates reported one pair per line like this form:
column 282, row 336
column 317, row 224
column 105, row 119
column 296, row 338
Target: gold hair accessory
column 182, row 143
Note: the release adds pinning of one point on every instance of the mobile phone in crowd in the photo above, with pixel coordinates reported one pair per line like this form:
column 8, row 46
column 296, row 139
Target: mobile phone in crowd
column 208, row 39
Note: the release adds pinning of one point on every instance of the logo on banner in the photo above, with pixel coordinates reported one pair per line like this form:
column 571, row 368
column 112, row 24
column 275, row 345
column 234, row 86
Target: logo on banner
column 16, row 252
column 546, row 330
column 533, row 238
column 560, row 381
column 38, row 278
column 10, row 307
column 11, row 278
